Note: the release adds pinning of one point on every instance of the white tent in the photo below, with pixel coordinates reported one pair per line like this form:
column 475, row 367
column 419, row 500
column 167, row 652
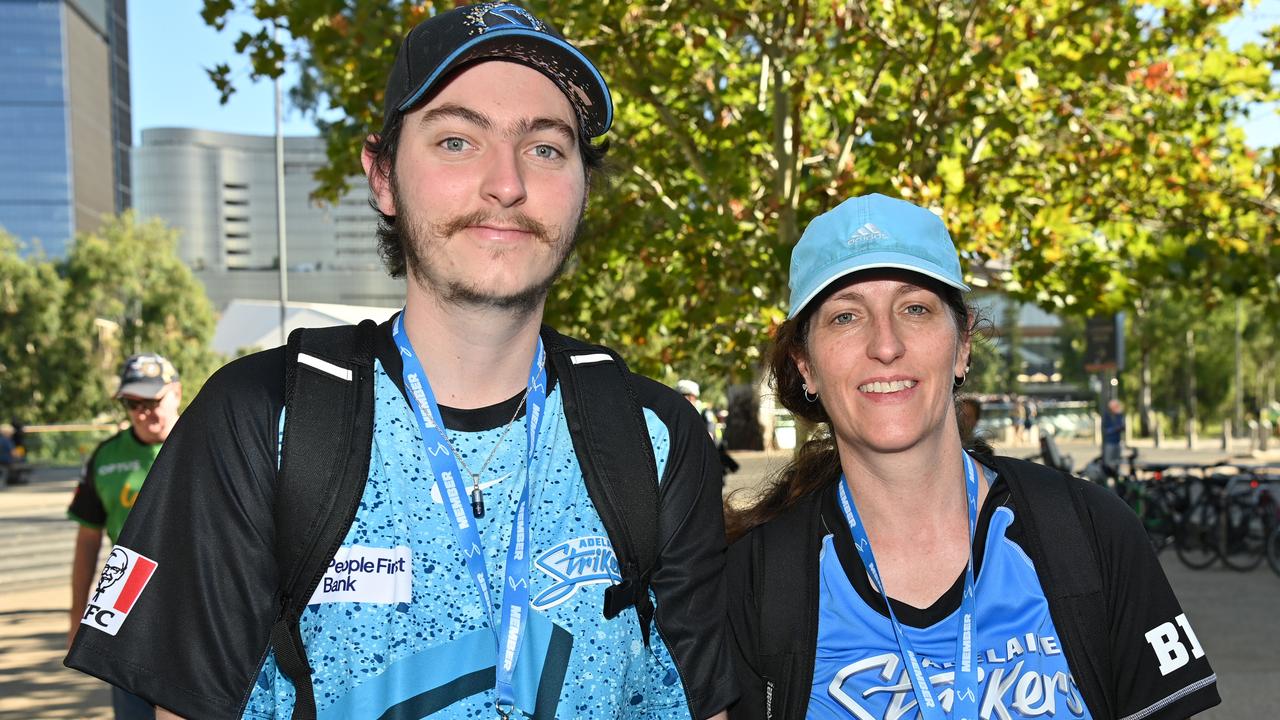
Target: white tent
column 251, row 325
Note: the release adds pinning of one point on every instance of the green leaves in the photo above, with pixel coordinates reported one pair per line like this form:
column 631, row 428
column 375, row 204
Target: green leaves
column 31, row 296
column 122, row 290
column 1089, row 147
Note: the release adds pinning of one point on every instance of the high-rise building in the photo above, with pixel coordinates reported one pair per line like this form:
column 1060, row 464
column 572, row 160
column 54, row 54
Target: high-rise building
column 219, row 190
column 65, row 117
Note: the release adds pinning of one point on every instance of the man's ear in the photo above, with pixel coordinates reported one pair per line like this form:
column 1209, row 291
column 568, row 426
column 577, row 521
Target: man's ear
column 379, row 180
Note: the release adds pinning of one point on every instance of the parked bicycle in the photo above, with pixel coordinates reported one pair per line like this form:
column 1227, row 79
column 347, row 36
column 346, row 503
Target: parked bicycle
column 1249, row 515
column 1155, row 497
column 1232, row 514
column 1273, row 549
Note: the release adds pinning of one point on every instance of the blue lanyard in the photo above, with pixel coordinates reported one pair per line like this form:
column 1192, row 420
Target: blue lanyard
column 449, row 480
column 964, row 705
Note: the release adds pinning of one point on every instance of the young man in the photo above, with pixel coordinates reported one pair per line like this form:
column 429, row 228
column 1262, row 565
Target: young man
column 150, row 393
column 480, row 176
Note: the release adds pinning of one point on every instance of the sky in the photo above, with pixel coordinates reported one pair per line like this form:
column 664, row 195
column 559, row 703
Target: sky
column 170, row 47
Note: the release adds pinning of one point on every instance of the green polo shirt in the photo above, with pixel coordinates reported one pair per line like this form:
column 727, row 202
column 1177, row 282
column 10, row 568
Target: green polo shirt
column 111, row 481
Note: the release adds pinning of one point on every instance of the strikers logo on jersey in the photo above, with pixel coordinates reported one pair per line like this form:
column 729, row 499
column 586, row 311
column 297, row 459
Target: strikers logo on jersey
column 123, row 579
column 573, row 564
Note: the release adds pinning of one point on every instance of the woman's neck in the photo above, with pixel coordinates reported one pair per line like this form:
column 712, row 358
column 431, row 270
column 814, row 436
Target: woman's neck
column 913, row 507
column 908, row 494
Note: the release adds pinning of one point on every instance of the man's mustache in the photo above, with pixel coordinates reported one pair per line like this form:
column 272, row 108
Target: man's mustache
column 518, row 220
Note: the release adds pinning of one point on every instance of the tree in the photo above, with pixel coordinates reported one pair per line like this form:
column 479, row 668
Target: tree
column 31, row 297
column 127, row 280
column 1090, row 147
column 1158, row 372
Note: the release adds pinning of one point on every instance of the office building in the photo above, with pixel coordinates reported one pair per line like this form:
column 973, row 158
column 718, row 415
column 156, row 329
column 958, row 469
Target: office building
column 219, row 190
column 65, row 117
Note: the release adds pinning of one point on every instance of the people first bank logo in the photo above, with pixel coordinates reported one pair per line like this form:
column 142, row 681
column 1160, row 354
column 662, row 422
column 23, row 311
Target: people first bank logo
column 124, row 576
column 574, row 564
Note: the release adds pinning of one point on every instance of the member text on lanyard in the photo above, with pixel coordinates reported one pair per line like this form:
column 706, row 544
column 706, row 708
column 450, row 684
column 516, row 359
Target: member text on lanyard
column 509, row 627
column 964, row 705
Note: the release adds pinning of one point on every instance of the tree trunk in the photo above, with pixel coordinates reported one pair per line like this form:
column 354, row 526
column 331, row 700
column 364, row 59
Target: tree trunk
column 1146, row 423
column 1144, row 393
column 1191, row 389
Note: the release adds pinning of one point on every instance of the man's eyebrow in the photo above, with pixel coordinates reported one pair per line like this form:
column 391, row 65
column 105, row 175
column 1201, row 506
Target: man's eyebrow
column 459, row 112
column 479, row 119
column 532, row 125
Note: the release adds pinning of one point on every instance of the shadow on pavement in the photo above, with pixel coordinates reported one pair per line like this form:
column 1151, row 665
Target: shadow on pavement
column 33, row 682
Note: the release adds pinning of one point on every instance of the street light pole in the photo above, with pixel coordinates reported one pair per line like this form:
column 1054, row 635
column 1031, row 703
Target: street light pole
column 280, row 224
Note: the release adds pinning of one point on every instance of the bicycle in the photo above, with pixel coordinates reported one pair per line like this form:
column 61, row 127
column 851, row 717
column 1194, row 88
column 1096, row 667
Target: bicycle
column 1273, row 549
column 1249, row 515
column 1156, row 497
column 1196, row 537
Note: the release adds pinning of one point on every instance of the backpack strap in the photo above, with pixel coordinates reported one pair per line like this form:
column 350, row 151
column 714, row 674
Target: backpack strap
column 1061, row 545
column 785, row 585
column 611, row 440
column 328, row 433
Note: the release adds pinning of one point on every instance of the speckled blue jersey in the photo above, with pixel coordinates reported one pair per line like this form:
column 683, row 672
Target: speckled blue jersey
column 396, row 628
column 1022, row 671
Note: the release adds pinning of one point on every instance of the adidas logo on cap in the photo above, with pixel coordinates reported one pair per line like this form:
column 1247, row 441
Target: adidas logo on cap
column 867, row 233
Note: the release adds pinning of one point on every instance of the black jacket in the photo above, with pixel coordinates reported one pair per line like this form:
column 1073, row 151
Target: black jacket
column 1105, row 590
column 198, row 634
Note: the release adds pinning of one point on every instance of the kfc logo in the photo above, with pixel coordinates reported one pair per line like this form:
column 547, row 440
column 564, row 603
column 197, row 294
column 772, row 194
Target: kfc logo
column 123, row 578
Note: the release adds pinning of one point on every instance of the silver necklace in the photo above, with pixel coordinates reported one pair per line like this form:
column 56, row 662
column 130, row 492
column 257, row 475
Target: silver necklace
column 477, row 495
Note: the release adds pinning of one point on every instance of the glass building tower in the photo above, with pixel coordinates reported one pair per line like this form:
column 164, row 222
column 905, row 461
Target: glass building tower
column 65, row 117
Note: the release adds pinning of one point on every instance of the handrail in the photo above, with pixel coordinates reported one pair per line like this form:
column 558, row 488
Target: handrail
column 71, row 427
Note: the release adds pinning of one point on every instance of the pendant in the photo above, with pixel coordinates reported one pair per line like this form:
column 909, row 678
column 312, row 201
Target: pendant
column 477, row 502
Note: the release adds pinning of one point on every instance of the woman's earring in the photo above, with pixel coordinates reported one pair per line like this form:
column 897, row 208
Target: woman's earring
column 807, row 396
column 959, row 380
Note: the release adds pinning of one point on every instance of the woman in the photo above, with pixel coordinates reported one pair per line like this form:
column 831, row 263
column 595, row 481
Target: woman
column 1013, row 590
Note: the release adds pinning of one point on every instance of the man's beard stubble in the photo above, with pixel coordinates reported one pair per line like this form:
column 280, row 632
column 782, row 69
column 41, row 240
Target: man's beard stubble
column 418, row 240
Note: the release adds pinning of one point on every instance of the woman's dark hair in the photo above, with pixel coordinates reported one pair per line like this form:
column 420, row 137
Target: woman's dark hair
column 383, row 147
column 817, row 464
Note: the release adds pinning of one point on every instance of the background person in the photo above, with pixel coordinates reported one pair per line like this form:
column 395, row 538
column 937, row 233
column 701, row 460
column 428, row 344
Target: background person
column 7, row 457
column 912, row 584
column 150, row 392
column 691, row 392
column 968, row 414
column 1018, row 416
column 1113, row 436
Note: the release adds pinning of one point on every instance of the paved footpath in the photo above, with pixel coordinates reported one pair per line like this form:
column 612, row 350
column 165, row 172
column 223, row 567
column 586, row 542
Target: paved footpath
column 1236, row 615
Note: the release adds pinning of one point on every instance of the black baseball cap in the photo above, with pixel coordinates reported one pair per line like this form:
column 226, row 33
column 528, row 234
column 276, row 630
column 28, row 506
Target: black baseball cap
column 496, row 31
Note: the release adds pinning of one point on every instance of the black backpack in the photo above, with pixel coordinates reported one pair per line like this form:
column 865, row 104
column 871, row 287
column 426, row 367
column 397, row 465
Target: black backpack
column 1059, row 542
column 328, row 435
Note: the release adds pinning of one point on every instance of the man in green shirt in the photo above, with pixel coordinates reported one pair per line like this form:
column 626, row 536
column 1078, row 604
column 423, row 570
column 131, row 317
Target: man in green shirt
column 150, row 393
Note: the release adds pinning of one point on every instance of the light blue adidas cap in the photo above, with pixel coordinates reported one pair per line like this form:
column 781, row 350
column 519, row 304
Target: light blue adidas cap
column 871, row 231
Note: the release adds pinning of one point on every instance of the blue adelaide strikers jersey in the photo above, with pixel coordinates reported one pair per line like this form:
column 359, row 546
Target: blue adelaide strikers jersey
column 397, row 627
column 859, row 670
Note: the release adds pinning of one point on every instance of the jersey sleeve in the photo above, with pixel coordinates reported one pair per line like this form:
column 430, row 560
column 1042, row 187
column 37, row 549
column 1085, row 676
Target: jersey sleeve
column 86, row 507
column 1159, row 666
column 688, row 581
column 182, row 613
